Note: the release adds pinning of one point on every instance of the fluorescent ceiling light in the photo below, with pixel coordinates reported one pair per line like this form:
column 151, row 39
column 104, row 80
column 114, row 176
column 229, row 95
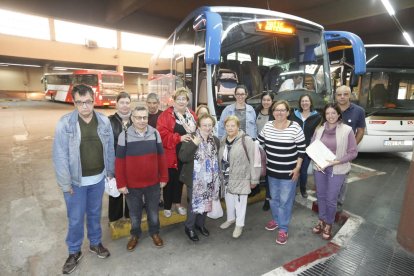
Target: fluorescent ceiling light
column 18, row 64
column 371, row 59
column 388, row 7
column 408, row 38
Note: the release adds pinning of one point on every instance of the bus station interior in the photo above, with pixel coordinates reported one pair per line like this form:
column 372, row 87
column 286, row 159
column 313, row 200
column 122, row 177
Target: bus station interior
column 32, row 207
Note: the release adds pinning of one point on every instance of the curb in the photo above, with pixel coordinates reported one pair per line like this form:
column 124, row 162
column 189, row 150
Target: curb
column 351, row 223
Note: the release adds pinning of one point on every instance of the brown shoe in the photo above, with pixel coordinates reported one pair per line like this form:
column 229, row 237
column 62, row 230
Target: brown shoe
column 327, row 232
column 157, row 240
column 132, row 243
column 319, row 227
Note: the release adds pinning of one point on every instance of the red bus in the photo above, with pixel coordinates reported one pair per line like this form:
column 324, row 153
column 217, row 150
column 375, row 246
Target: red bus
column 106, row 85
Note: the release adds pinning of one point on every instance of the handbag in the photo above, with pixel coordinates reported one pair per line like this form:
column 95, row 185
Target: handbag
column 111, row 188
column 216, row 209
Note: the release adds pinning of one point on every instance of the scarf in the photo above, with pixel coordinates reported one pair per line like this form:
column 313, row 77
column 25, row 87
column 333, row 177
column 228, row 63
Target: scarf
column 187, row 121
column 206, row 180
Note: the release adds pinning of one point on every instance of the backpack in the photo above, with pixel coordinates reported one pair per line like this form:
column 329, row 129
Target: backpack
column 259, row 163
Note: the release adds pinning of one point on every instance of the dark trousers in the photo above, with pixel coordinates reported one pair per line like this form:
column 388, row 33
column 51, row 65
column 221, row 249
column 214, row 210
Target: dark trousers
column 116, row 208
column 303, row 177
column 193, row 219
column 151, row 196
column 173, row 190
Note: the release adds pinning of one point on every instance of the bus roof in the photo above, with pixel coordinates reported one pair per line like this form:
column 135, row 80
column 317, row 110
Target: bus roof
column 230, row 9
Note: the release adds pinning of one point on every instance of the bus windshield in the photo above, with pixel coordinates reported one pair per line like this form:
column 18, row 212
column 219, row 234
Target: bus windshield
column 388, row 85
column 385, row 91
column 271, row 61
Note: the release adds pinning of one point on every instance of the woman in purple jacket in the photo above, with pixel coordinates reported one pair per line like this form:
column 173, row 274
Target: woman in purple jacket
column 340, row 139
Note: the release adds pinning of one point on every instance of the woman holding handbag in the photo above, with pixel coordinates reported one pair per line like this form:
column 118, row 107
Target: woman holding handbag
column 200, row 172
column 236, row 158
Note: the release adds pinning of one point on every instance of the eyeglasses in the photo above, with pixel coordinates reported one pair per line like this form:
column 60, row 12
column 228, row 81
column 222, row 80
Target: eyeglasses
column 240, row 95
column 280, row 110
column 87, row 103
column 140, row 118
column 181, row 99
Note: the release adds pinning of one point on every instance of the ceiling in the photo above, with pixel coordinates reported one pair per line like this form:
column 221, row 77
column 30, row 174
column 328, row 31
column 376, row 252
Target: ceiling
column 366, row 18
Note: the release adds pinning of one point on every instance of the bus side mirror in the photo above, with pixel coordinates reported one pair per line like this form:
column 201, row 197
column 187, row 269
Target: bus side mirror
column 353, row 81
column 213, row 26
column 358, row 48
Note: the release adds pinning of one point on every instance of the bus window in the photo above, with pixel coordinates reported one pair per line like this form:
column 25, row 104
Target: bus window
column 112, row 78
column 88, row 79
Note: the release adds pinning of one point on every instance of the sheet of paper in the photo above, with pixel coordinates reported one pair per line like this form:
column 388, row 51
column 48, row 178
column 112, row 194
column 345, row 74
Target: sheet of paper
column 319, row 153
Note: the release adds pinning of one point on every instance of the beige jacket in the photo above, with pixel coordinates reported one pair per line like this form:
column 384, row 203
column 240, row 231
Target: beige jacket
column 242, row 172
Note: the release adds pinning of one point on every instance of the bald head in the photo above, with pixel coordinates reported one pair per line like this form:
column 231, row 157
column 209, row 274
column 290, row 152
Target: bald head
column 343, row 96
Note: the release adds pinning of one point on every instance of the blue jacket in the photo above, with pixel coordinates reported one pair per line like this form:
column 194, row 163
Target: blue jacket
column 251, row 128
column 66, row 152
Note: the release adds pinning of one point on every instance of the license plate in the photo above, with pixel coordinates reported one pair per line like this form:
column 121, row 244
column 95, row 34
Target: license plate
column 398, row 143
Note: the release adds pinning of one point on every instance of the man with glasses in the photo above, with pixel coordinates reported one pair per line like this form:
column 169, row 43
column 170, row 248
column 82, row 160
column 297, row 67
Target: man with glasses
column 83, row 155
column 141, row 169
column 244, row 112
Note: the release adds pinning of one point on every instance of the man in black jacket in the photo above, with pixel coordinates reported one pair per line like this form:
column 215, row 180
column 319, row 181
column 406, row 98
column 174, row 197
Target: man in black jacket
column 120, row 121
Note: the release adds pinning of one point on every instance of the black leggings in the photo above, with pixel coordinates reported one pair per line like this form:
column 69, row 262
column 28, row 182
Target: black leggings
column 173, row 190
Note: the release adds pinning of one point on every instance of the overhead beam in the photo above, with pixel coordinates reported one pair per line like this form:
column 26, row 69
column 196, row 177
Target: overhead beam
column 119, row 9
column 343, row 11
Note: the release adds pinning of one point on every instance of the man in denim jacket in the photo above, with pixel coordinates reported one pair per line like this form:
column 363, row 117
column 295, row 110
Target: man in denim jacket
column 83, row 155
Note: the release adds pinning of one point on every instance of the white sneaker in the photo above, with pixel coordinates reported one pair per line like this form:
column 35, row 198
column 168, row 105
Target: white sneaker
column 182, row 211
column 226, row 224
column 238, row 230
column 167, row 213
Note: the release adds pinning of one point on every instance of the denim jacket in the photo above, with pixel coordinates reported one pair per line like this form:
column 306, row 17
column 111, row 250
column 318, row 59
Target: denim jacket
column 251, row 128
column 66, row 152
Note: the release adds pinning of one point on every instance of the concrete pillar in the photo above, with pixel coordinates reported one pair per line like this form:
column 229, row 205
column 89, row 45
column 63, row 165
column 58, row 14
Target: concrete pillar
column 405, row 234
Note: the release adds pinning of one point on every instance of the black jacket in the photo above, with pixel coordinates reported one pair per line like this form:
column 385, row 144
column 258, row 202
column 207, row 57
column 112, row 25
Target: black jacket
column 308, row 126
column 117, row 128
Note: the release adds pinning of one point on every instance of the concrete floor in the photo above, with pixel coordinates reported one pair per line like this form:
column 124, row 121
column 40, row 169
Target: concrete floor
column 34, row 215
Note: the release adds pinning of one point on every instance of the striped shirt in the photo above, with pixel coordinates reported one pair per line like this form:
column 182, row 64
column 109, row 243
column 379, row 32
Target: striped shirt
column 283, row 148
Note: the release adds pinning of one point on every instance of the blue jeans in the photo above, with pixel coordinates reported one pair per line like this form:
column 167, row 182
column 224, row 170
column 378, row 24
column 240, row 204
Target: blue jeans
column 85, row 200
column 282, row 195
column 134, row 200
column 303, row 178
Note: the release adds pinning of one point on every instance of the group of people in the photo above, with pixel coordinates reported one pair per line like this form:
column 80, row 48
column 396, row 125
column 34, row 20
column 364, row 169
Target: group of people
column 149, row 151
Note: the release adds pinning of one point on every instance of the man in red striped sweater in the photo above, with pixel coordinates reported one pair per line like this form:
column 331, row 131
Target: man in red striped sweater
column 141, row 169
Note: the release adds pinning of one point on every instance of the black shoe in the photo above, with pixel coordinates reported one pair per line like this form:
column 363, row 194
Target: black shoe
column 100, row 251
column 191, row 234
column 203, row 230
column 71, row 262
column 266, row 205
column 254, row 191
column 304, row 194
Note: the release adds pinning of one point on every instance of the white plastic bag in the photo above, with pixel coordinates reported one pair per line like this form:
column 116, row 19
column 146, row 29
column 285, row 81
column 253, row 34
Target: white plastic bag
column 111, row 188
column 216, row 210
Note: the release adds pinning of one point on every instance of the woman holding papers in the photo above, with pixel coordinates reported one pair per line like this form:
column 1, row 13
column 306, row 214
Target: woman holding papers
column 308, row 119
column 340, row 139
column 284, row 143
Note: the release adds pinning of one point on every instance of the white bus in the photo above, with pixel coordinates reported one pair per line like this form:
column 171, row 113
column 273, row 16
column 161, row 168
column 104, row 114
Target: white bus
column 386, row 92
column 216, row 47
column 56, row 84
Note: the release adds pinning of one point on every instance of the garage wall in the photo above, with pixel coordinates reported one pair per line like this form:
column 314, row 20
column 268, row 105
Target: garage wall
column 21, row 79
